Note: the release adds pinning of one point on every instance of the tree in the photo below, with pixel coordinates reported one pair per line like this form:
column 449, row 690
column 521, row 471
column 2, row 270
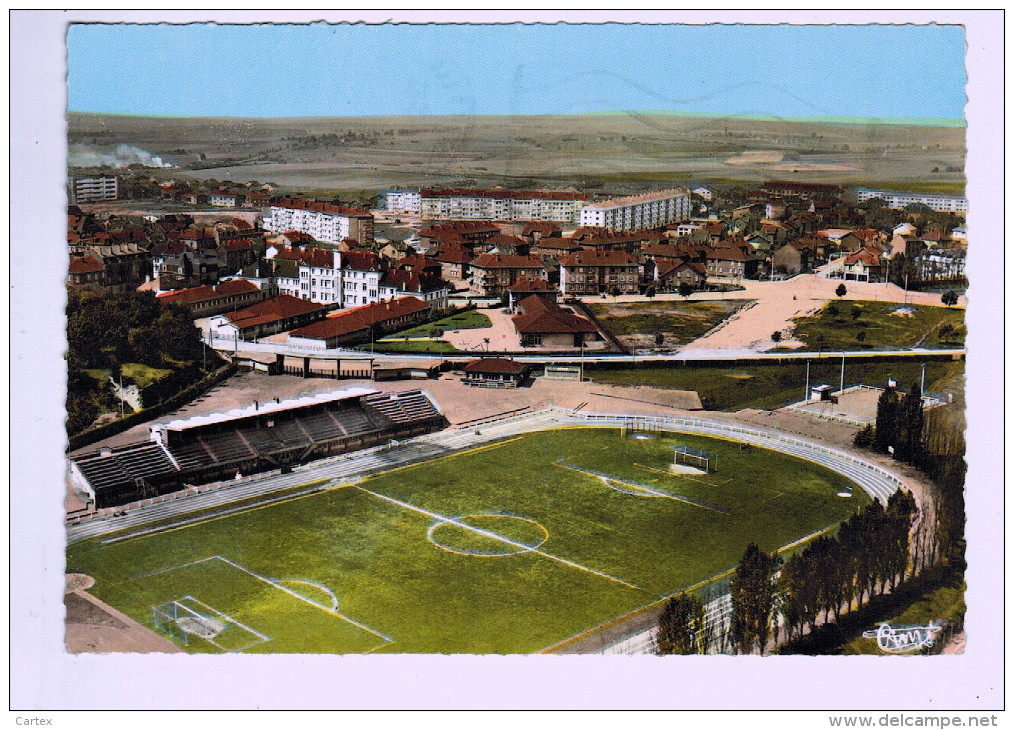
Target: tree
column 681, row 626
column 659, row 339
column 650, row 291
column 752, row 591
column 861, row 336
column 685, row 290
column 910, row 426
column 841, row 290
column 776, row 336
column 950, row 298
column 887, row 420
column 857, row 312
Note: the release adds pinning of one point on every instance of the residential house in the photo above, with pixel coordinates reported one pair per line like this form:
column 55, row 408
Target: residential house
column 546, row 324
column 863, row 265
column 398, row 283
column 524, row 288
column 492, row 274
column 594, row 272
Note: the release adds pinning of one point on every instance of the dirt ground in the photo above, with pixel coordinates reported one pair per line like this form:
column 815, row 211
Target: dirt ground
column 95, row 627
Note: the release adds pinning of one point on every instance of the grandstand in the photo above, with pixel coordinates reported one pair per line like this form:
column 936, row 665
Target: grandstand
column 260, row 437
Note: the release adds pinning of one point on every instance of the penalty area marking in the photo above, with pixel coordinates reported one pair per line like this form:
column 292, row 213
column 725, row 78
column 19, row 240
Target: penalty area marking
column 479, row 531
column 611, row 482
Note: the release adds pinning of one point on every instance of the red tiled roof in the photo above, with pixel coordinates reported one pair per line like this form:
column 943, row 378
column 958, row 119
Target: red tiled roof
column 663, row 251
column 362, row 261
column 205, row 293
column 544, row 227
column 360, row 318
column 727, row 254
column 241, row 224
column 599, row 258
column 530, row 285
column 495, row 366
column 326, row 208
column 404, row 281
column 85, row 265
column 283, row 306
column 193, row 233
column 452, row 253
column 542, row 317
column 506, row 261
column 515, row 194
column 868, row 258
column 238, row 244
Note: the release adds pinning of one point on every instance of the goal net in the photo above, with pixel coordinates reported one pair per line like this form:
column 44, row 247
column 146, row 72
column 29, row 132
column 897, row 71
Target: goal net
column 698, row 458
column 182, row 622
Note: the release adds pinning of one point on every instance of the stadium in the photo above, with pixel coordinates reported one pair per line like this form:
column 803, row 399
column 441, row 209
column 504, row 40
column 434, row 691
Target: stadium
column 274, row 435
column 395, row 534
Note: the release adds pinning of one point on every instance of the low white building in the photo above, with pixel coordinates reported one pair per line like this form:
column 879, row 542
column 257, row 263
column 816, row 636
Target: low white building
column 94, row 188
column 480, row 204
column 651, row 210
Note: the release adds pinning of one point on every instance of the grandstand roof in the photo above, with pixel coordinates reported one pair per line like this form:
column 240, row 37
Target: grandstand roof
column 263, row 408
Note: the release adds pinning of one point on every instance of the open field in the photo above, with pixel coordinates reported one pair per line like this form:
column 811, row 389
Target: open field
column 413, row 346
column 884, row 324
column 608, row 153
column 425, row 559
column 635, row 325
column 774, row 386
column 143, row 375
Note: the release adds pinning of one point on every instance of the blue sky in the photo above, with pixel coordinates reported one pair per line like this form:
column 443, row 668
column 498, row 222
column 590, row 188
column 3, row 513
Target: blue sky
column 354, row 70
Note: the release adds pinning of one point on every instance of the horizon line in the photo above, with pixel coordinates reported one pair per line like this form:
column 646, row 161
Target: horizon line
column 950, row 122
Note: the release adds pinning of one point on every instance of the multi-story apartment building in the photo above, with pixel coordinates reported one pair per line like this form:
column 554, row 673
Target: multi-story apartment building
column 478, row 204
column 402, row 201
column 226, row 199
column 594, row 272
column 651, row 210
column 492, row 274
column 933, row 201
column 323, row 221
column 94, row 188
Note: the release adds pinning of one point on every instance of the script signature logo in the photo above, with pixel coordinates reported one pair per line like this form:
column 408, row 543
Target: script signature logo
column 897, row 639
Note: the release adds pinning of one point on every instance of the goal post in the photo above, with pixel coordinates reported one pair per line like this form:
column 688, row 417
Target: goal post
column 633, row 426
column 706, row 461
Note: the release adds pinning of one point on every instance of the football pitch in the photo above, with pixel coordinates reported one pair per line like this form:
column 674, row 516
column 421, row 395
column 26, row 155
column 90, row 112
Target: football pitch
column 507, row 548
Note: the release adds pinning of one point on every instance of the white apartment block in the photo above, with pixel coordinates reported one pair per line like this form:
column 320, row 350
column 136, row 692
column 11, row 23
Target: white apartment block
column 403, row 201
column 325, row 222
column 651, row 210
column 94, row 188
column 933, row 201
column 360, row 287
column 469, row 204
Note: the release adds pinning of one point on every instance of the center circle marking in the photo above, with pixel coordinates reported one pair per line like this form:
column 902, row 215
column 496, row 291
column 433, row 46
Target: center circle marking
column 463, row 522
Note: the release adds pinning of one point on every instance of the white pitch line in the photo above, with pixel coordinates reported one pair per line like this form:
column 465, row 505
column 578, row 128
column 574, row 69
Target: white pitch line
column 172, row 568
column 325, row 609
column 495, row 536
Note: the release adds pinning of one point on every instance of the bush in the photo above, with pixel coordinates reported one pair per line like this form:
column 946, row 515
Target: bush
column 776, row 336
column 864, row 438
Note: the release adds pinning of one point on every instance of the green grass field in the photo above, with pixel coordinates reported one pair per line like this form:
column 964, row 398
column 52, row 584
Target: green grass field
column 470, row 319
column 777, row 385
column 537, row 551
column 882, row 324
column 414, row 346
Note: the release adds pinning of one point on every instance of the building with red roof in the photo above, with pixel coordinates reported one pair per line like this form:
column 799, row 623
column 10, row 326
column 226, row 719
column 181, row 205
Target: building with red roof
column 479, row 204
column 492, row 274
column 205, row 301
column 361, row 323
column 268, row 317
column 547, row 324
column 324, row 221
column 595, row 272
column 495, row 372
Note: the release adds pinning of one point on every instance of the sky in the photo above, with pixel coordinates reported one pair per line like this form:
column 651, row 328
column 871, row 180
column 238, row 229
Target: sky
column 869, row 71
